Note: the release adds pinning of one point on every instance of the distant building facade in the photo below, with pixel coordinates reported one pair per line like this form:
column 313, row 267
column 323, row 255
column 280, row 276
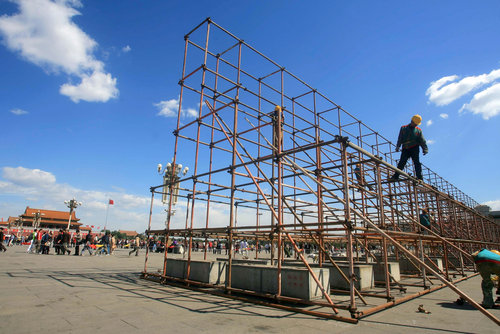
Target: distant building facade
column 129, row 234
column 42, row 219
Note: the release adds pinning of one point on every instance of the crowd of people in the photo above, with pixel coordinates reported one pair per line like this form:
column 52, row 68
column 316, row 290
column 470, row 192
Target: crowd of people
column 63, row 242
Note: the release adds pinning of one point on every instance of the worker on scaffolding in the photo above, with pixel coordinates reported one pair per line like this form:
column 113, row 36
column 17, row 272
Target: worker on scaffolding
column 411, row 138
column 425, row 219
column 488, row 264
column 360, row 177
column 278, row 120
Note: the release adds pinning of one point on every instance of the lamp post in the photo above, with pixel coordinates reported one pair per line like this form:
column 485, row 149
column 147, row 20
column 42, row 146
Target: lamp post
column 71, row 204
column 171, row 175
column 37, row 218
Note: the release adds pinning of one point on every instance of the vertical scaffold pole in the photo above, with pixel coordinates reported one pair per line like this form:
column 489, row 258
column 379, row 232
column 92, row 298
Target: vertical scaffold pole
column 347, row 217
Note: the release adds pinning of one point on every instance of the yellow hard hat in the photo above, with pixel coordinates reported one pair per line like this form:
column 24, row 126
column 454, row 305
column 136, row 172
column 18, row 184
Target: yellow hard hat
column 417, row 119
column 277, row 108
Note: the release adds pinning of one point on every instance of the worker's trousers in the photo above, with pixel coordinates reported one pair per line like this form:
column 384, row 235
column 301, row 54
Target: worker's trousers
column 412, row 153
column 486, row 269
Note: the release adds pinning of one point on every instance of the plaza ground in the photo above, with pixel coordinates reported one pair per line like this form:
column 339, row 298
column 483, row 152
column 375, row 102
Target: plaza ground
column 69, row 294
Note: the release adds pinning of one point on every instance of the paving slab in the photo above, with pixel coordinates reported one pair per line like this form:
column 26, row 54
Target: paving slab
column 74, row 294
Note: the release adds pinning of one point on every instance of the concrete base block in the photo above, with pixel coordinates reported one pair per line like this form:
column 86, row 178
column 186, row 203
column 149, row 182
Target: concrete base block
column 212, row 272
column 363, row 272
column 408, row 267
column 295, row 282
column 248, row 261
column 379, row 271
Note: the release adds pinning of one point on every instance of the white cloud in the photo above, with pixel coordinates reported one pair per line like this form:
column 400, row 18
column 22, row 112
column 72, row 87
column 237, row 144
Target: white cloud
column 429, row 122
column 170, row 108
column 430, row 141
column 99, row 87
column 494, row 205
column 28, row 177
column 126, row 49
column 485, row 103
column 43, row 33
column 39, row 189
column 443, row 116
column 442, row 92
column 18, row 111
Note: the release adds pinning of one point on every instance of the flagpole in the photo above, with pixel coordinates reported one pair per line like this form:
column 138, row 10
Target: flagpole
column 106, row 222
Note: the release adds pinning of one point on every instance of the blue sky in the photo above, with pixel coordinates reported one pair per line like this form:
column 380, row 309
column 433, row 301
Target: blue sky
column 82, row 83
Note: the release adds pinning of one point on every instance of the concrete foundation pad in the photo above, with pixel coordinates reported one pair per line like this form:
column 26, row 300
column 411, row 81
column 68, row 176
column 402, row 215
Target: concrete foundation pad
column 212, row 272
column 295, row 282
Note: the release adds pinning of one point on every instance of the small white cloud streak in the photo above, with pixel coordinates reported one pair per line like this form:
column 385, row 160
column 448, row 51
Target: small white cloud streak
column 429, row 122
column 98, row 87
column 430, row 141
column 485, row 103
column 18, row 112
column 443, row 116
column 126, row 49
column 442, row 92
column 494, row 205
column 170, row 108
column 43, row 33
column 28, row 177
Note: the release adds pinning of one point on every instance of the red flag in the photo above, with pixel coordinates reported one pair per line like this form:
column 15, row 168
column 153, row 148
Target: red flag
column 111, row 202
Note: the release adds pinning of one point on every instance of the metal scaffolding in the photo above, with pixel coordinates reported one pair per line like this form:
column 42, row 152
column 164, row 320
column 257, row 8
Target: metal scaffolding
column 284, row 165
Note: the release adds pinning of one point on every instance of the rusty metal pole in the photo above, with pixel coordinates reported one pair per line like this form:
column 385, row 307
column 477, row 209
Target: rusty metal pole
column 170, row 186
column 383, row 226
column 233, row 176
column 148, row 233
column 214, row 101
column 198, row 134
column 347, row 217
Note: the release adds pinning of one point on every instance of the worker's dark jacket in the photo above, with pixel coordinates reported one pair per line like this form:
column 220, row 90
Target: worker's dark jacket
column 410, row 137
column 424, row 220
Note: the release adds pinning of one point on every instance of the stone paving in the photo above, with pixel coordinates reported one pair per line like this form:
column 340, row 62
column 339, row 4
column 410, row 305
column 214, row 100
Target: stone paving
column 69, row 294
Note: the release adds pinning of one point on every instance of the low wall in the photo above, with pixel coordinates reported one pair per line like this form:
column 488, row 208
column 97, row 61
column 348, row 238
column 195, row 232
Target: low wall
column 212, row 272
column 295, row 282
column 248, row 261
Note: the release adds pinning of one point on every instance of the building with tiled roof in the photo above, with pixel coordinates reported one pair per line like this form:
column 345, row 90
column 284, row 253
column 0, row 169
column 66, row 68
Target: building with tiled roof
column 128, row 233
column 50, row 219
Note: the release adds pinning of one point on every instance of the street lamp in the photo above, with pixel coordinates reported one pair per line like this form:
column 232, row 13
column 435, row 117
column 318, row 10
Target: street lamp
column 169, row 214
column 71, row 204
column 171, row 175
column 37, row 218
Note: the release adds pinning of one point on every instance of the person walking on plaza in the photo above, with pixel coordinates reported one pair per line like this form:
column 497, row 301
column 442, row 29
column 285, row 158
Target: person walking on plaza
column 78, row 241
column 65, row 242
column 113, row 244
column 137, row 243
column 33, row 242
column 87, row 242
column 411, row 138
column 38, row 241
column 2, row 236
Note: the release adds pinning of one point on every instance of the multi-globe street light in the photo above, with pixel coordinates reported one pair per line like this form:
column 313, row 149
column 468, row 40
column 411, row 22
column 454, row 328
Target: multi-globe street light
column 37, row 218
column 71, row 204
column 171, row 175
